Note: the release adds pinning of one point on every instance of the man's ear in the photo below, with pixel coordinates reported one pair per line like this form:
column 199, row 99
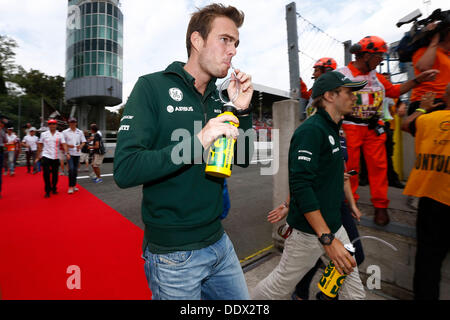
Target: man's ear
column 197, row 41
column 329, row 96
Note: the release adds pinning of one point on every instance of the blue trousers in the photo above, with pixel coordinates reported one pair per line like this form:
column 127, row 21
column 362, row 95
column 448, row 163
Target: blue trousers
column 211, row 273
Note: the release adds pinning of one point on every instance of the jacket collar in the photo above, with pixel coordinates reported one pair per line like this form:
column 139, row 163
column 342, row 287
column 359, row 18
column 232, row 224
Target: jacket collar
column 326, row 116
column 177, row 68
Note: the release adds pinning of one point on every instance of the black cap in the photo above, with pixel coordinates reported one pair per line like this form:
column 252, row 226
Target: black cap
column 333, row 80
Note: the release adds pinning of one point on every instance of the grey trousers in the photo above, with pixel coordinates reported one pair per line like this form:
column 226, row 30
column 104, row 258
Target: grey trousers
column 300, row 254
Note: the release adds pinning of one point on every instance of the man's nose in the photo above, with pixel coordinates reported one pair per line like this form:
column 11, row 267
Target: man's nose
column 231, row 50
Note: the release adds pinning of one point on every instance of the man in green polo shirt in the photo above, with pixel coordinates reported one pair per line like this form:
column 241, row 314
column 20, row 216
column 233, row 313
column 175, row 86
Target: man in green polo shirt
column 316, row 182
column 170, row 119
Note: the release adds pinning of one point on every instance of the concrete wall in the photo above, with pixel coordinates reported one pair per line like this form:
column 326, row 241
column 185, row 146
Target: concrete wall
column 286, row 118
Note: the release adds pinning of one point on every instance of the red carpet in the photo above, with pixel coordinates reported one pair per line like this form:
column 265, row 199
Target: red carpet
column 40, row 238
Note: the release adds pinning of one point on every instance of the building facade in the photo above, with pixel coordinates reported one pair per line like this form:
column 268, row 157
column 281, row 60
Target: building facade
column 94, row 58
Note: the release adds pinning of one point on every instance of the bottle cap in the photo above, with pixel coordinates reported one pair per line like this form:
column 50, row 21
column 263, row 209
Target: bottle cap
column 229, row 108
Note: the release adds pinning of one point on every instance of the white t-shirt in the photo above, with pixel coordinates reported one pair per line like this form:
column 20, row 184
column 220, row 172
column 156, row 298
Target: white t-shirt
column 52, row 143
column 74, row 138
column 31, row 141
column 10, row 142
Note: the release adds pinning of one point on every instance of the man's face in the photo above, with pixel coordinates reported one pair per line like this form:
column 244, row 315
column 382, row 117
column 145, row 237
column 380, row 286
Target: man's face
column 219, row 47
column 373, row 60
column 318, row 71
column 345, row 101
column 32, row 133
column 52, row 126
column 73, row 125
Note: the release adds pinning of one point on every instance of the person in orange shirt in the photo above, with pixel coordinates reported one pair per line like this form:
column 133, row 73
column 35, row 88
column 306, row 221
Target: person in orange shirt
column 435, row 56
column 364, row 128
column 430, row 181
column 321, row 66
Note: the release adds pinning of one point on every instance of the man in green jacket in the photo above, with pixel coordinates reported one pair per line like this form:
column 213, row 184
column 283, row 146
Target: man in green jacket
column 168, row 123
column 316, row 184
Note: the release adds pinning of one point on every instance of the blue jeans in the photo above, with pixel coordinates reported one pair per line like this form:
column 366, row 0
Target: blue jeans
column 211, row 273
column 11, row 164
column 73, row 170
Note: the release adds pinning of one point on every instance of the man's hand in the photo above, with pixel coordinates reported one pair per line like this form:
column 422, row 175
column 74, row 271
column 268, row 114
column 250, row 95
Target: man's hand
column 341, row 258
column 346, row 177
column 356, row 213
column 245, row 89
column 428, row 75
column 402, row 110
column 278, row 214
column 216, row 128
column 427, row 101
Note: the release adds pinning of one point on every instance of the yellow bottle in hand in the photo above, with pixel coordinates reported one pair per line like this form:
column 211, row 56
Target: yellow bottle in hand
column 221, row 154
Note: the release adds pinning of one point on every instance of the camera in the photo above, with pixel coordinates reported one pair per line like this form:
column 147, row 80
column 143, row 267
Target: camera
column 418, row 36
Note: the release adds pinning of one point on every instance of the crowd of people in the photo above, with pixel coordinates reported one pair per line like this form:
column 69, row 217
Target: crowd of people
column 50, row 150
column 349, row 110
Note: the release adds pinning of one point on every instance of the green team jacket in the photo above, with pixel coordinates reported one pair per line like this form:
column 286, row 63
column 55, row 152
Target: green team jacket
column 316, row 172
column 157, row 147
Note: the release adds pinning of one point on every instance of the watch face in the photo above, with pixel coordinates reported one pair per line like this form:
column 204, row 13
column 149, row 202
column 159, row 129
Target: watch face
column 326, row 238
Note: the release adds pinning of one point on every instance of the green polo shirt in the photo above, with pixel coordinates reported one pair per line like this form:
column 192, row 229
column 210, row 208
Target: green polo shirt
column 158, row 148
column 316, row 172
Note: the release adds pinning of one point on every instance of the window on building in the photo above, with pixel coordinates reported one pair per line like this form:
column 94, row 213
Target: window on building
column 102, row 20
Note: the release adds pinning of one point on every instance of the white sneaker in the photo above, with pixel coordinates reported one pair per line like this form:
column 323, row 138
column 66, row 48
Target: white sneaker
column 70, row 191
column 75, row 189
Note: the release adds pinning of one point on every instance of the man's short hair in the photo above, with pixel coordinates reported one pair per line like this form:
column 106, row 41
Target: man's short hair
column 94, row 127
column 318, row 101
column 201, row 21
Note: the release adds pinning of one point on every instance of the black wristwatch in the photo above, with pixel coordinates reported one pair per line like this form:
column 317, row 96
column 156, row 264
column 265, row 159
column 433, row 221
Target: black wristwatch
column 326, row 239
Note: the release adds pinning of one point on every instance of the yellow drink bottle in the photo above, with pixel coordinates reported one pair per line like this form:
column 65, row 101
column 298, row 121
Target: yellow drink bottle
column 221, row 154
column 331, row 281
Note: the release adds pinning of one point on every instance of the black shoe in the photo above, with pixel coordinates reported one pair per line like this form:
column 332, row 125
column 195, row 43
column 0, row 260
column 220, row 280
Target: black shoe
column 363, row 182
column 55, row 192
column 47, row 195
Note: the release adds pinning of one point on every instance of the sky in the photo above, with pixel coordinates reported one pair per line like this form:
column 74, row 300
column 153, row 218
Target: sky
column 154, row 33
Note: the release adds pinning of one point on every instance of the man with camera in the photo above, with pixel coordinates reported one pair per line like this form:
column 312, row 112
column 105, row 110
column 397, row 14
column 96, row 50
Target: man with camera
column 364, row 128
column 433, row 56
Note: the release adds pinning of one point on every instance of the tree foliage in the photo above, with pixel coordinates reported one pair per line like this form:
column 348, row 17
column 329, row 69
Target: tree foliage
column 7, row 66
column 26, row 89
